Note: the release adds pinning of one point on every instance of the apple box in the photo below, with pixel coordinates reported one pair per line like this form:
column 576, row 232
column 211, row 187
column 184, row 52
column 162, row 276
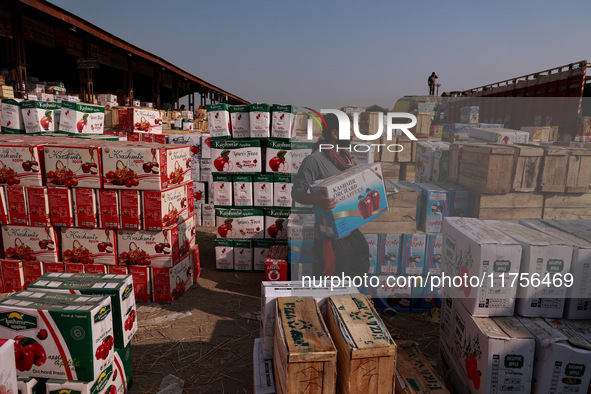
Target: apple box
column 108, row 208
column 169, row 283
column 13, row 276
column 300, row 235
column 475, row 249
column 142, row 282
column 163, row 209
column 260, row 121
column 287, row 156
column 243, row 255
column 206, row 145
column 28, row 385
column 262, row 191
column 95, row 269
column 178, row 163
column 283, row 121
column 60, row 206
column 390, row 256
column 218, row 118
column 192, row 140
column 4, row 207
column 205, row 171
column 53, row 267
column 546, row 257
column 74, row 268
column 109, row 382
column 59, row 323
column 236, row 156
column 276, row 223
column 140, row 120
column 433, row 208
column 240, row 223
column 32, row 270
column 208, row 215
column 40, row 116
column 493, row 354
column 76, row 118
column 222, row 190
column 12, row 117
column 224, row 254
column 260, row 252
column 38, row 203
column 282, row 185
column 130, row 207
column 153, row 248
column 200, row 193
column 360, row 195
column 433, row 254
column 275, row 270
column 73, row 166
column 30, row 243
column 17, row 205
column 21, row 163
column 242, row 190
column 117, row 270
column 132, row 165
column 85, row 208
column 8, row 379
column 240, row 120
column 88, row 246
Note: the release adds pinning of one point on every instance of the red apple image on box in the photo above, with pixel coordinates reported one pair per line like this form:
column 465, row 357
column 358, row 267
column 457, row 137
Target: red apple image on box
column 169, row 283
column 89, row 246
column 142, row 282
column 30, row 243
column 21, row 163
column 12, row 275
column 32, row 270
column 73, row 165
column 165, row 209
column 148, row 248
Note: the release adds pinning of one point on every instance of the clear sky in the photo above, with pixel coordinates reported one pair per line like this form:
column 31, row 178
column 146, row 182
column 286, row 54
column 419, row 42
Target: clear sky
column 327, row 54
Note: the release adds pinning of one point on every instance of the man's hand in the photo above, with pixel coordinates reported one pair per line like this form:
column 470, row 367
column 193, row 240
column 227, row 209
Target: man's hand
column 323, row 202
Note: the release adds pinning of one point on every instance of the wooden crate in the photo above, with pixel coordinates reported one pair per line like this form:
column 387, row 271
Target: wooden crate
column 408, row 153
column 567, row 206
column 578, row 174
column 304, row 356
column 541, row 133
column 511, row 206
column 414, row 373
column 486, row 168
column 366, row 359
column 423, row 126
column 403, row 226
column 528, row 161
column 554, row 168
column 454, row 162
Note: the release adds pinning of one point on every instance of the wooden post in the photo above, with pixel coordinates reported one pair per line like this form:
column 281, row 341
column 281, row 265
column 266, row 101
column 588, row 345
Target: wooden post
column 17, row 68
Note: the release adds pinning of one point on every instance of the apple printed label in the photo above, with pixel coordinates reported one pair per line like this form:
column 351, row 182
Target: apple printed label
column 390, row 257
column 178, row 164
column 133, row 166
column 77, row 118
column 38, row 203
column 32, row 270
column 282, row 191
column 206, row 145
column 208, row 214
column 40, row 116
column 260, row 121
column 372, row 242
column 73, row 166
column 243, row 191
column 108, row 208
column 20, row 164
column 17, row 205
column 12, row 117
column 60, row 206
column 243, row 255
column 276, row 223
column 284, row 120
column 192, row 140
column 240, row 121
column 218, row 119
column 222, row 190
column 89, row 246
column 205, row 170
column 360, row 195
column 433, row 208
column 53, row 267
column 224, row 254
column 434, row 248
column 13, row 277
column 240, row 223
column 263, row 190
column 171, row 283
column 145, row 121
column 260, row 252
column 236, row 156
column 199, row 191
column 154, row 248
column 142, row 283
column 85, row 208
column 164, row 209
column 30, row 243
column 413, row 254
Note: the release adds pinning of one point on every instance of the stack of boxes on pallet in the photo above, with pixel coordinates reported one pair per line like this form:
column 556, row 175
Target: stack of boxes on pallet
column 70, row 333
column 513, row 331
column 254, row 154
column 82, row 205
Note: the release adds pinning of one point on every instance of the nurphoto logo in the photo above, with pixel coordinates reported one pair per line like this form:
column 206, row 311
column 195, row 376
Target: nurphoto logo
column 345, row 130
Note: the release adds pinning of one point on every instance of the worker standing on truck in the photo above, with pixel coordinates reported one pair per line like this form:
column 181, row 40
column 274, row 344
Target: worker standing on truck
column 431, row 82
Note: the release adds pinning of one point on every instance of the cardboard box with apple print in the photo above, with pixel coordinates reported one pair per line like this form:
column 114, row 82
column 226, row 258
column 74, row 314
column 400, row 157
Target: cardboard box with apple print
column 73, row 165
column 240, row 223
column 40, row 116
column 82, row 118
column 360, row 195
column 287, row 156
column 283, row 121
column 21, row 163
column 236, row 156
column 30, row 243
column 276, row 223
column 260, row 121
column 169, row 283
column 224, row 254
column 218, row 118
column 89, row 246
column 240, row 121
column 164, row 209
column 12, row 117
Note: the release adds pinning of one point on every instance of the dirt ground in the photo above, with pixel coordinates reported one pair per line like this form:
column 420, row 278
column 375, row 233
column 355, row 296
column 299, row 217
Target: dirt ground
column 206, row 338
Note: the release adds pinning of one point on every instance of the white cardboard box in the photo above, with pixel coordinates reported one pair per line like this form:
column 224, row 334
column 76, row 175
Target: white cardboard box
column 264, row 382
column 542, row 257
column 578, row 296
column 563, row 358
column 491, row 355
column 475, row 249
column 7, row 366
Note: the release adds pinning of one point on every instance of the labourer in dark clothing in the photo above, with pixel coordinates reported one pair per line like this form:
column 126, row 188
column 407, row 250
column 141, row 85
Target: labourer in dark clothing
column 349, row 254
column 431, row 81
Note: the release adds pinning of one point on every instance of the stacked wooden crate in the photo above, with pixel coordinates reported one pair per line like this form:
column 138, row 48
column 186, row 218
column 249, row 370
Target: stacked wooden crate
column 513, row 182
column 6, row 91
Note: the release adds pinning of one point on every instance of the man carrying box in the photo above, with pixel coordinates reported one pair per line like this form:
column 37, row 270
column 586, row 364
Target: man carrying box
column 348, row 255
